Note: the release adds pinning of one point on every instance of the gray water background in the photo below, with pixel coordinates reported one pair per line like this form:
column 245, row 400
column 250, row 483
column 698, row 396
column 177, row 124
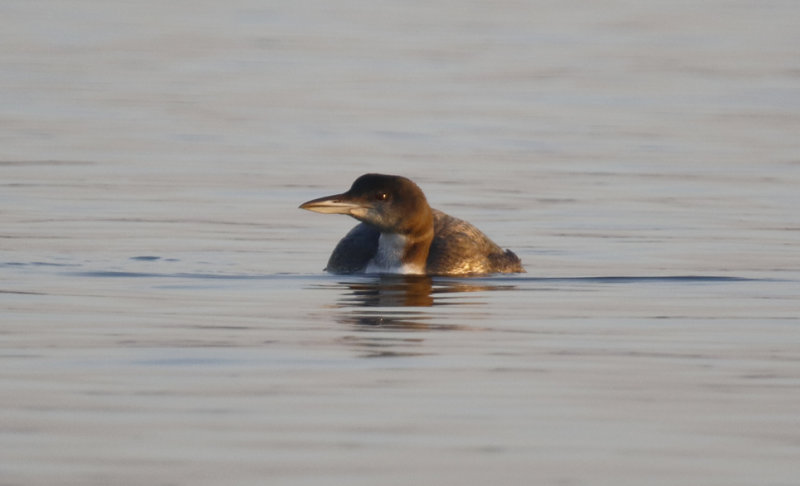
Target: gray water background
column 165, row 318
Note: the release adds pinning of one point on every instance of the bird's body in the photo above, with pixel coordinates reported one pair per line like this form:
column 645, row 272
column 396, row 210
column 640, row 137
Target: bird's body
column 400, row 233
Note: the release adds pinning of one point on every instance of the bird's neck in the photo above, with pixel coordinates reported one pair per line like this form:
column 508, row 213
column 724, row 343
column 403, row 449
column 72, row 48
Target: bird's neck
column 405, row 252
column 418, row 240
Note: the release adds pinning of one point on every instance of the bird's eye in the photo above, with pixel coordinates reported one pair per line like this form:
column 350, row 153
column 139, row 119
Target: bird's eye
column 382, row 196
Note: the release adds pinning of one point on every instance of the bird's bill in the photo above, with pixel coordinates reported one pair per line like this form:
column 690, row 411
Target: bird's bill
column 336, row 204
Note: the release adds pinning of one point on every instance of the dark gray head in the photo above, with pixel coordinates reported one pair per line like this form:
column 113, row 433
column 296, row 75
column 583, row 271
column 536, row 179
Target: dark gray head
column 393, row 204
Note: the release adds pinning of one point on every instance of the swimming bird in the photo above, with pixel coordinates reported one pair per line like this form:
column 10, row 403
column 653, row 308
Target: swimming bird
column 400, row 233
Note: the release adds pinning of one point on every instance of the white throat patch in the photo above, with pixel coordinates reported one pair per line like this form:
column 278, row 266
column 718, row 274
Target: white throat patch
column 389, row 257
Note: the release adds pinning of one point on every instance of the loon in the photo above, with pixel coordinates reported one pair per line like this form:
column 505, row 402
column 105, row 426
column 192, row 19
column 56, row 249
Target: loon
column 399, row 233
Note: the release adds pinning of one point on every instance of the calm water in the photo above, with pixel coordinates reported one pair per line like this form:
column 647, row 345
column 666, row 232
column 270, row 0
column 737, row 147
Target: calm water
column 166, row 320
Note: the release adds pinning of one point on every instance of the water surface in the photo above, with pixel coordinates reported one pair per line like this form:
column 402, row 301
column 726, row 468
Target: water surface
column 165, row 318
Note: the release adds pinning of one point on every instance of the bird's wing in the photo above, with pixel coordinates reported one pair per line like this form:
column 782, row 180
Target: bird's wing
column 355, row 250
column 460, row 248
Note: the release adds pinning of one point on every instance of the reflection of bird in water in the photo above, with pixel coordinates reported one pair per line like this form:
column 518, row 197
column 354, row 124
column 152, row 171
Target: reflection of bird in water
column 374, row 305
column 390, row 298
column 400, row 233
column 391, row 291
column 411, row 291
